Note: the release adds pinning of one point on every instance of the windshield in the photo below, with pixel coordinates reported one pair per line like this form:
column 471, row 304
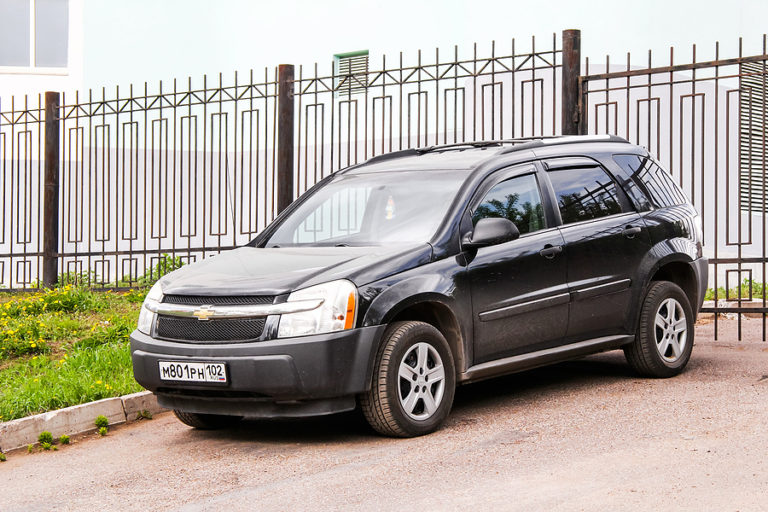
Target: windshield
column 371, row 209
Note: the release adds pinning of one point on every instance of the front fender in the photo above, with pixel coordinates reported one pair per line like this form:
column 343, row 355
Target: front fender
column 442, row 282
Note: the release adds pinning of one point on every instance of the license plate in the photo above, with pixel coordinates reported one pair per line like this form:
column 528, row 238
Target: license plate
column 193, row 372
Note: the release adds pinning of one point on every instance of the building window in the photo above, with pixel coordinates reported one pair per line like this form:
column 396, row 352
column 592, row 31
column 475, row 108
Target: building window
column 34, row 33
column 351, row 70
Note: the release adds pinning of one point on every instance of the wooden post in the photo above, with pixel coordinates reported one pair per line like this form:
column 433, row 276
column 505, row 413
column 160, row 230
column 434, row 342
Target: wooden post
column 572, row 122
column 285, row 123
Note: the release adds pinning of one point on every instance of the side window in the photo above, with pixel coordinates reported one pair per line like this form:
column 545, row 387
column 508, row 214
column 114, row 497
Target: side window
column 584, row 193
column 656, row 180
column 517, row 199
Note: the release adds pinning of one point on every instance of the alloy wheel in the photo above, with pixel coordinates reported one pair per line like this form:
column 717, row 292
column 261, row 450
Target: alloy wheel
column 421, row 381
column 671, row 330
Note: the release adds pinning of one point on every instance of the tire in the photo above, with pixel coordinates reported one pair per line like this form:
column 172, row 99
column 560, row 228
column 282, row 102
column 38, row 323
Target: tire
column 664, row 338
column 206, row 421
column 402, row 402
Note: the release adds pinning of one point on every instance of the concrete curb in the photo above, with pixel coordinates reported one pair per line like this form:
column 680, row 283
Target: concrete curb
column 76, row 419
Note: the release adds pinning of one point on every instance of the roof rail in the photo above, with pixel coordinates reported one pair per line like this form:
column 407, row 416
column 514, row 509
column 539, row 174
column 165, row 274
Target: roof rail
column 394, row 154
column 518, row 143
column 565, row 139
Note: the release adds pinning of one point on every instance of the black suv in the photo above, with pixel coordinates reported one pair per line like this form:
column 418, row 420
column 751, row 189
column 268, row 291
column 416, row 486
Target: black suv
column 390, row 282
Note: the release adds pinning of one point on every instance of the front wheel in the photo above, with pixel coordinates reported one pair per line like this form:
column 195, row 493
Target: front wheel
column 206, row 421
column 664, row 340
column 413, row 383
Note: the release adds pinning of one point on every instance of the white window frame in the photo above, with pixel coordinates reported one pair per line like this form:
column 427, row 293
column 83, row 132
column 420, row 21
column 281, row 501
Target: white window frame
column 32, row 69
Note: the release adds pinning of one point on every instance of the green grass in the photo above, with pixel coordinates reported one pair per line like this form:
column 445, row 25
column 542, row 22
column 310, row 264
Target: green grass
column 69, row 345
column 64, row 347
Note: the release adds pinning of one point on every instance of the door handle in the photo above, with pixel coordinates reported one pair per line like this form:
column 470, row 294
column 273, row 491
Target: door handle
column 549, row 251
column 630, row 231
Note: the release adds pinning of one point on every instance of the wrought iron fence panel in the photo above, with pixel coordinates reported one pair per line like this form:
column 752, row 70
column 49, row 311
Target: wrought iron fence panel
column 705, row 122
column 435, row 98
column 21, row 199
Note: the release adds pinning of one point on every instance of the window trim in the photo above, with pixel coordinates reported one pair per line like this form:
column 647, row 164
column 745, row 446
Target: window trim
column 32, row 69
column 625, row 203
column 507, row 173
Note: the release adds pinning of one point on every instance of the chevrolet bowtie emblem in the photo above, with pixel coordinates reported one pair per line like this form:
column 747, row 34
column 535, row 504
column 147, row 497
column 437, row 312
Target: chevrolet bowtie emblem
column 204, row 313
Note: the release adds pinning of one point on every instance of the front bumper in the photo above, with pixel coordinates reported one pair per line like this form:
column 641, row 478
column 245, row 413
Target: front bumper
column 301, row 376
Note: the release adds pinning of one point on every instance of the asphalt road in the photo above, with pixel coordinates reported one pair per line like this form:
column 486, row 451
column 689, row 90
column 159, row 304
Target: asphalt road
column 584, row 435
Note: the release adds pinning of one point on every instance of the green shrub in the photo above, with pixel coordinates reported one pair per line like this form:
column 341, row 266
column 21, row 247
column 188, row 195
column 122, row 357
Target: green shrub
column 742, row 290
column 45, row 437
column 85, row 279
column 45, row 446
column 64, row 439
column 103, row 431
column 2, row 457
column 101, row 421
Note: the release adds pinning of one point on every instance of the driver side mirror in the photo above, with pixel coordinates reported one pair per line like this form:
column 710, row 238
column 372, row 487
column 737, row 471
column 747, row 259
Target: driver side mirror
column 491, row 231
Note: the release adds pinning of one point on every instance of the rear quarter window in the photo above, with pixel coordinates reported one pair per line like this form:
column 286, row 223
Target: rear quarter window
column 651, row 177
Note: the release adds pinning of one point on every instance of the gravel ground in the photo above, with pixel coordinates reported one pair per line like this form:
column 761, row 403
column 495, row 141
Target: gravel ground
column 584, row 435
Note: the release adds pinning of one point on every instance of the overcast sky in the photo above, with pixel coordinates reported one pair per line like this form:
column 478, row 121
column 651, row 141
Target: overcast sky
column 134, row 40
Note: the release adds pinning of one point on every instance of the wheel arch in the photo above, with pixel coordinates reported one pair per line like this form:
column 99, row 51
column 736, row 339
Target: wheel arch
column 680, row 272
column 440, row 316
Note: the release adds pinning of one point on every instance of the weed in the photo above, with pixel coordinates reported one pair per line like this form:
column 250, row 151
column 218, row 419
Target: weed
column 144, row 415
column 103, row 431
column 86, row 279
column 45, row 446
column 165, row 265
column 116, row 329
column 2, row 457
column 101, row 421
column 64, row 439
column 30, row 448
column 135, row 296
column 45, row 437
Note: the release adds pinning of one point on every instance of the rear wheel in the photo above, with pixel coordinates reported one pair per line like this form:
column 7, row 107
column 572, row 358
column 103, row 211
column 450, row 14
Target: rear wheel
column 206, row 421
column 664, row 340
column 413, row 382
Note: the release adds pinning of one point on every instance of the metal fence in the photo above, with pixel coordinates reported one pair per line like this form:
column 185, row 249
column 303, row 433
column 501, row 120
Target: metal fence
column 108, row 182
column 706, row 122
column 189, row 169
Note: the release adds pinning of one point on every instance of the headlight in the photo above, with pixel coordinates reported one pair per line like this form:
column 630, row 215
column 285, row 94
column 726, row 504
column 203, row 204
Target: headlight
column 147, row 317
column 337, row 312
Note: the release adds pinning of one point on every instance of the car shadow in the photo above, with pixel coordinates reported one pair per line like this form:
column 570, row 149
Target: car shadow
column 471, row 401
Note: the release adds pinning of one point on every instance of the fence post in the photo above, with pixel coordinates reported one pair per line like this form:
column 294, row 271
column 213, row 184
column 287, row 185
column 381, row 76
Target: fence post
column 51, row 193
column 284, row 136
column 572, row 123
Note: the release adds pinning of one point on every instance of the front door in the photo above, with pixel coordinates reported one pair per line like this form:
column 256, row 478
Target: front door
column 519, row 289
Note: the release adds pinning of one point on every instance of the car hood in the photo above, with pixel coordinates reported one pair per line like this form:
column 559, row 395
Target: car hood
column 274, row 271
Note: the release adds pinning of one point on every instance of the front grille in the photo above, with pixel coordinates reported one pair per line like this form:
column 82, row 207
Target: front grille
column 192, row 330
column 214, row 300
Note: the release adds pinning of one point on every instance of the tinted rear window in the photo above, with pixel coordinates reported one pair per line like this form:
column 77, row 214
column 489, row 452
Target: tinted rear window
column 584, row 193
column 655, row 180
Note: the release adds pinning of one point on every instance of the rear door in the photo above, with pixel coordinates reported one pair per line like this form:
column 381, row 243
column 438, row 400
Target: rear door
column 519, row 289
column 605, row 242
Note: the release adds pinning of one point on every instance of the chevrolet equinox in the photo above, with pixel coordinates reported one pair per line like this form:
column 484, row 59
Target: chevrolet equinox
column 390, row 282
